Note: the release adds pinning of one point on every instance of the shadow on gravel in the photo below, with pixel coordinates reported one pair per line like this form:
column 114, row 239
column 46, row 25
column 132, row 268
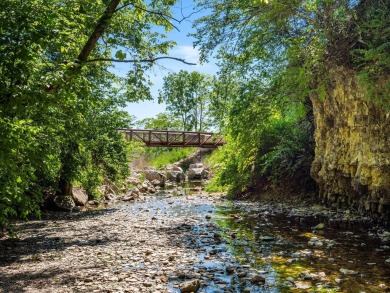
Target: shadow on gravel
column 17, row 283
column 47, row 237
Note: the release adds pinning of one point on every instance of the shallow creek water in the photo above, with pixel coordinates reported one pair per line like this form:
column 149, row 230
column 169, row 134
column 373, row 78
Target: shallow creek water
column 236, row 241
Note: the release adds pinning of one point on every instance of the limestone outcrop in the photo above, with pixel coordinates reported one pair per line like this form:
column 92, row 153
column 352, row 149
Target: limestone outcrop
column 352, row 153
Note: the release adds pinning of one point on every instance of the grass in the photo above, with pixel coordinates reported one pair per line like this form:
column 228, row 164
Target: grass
column 171, row 156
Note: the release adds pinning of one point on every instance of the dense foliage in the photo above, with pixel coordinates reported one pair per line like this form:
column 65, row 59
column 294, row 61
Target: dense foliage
column 59, row 102
column 284, row 50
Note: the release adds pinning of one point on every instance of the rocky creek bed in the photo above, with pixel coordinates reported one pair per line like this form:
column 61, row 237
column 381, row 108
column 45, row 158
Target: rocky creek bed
column 158, row 244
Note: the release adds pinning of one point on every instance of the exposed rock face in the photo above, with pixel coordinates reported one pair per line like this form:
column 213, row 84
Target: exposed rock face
column 352, row 161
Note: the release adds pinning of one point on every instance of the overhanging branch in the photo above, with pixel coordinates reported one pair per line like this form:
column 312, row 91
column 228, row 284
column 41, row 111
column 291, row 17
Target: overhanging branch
column 139, row 60
column 164, row 16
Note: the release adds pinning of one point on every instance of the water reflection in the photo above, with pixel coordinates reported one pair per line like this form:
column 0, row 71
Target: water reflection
column 288, row 252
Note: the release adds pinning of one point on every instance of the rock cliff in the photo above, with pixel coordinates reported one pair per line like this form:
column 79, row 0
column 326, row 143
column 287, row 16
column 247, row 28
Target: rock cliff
column 352, row 155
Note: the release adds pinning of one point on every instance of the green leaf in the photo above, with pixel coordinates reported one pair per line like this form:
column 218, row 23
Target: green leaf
column 120, row 55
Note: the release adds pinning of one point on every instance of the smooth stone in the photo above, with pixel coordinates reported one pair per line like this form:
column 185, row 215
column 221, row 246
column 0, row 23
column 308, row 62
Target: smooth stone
column 267, row 238
column 302, row 285
column 242, row 274
column 258, row 280
column 189, row 286
column 230, row 270
column 347, row 272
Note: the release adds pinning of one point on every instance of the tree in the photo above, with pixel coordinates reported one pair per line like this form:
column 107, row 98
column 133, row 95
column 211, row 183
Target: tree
column 59, row 102
column 283, row 50
column 163, row 121
column 187, row 95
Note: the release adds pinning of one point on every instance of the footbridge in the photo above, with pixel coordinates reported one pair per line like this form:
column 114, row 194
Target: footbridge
column 173, row 138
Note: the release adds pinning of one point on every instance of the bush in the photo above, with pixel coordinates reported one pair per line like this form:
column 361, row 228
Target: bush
column 281, row 152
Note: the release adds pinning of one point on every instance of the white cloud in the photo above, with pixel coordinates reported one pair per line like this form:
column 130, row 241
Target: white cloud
column 188, row 53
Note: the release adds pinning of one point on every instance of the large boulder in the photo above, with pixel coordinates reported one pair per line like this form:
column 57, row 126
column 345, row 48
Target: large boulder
column 196, row 172
column 176, row 174
column 64, row 203
column 79, row 196
column 151, row 175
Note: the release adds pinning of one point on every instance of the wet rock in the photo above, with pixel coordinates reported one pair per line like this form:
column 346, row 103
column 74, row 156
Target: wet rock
column 257, row 280
column 230, row 270
column 247, row 289
column 267, row 238
column 242, row 274
column 347, row 272
column 189, row 286
column 79, row 196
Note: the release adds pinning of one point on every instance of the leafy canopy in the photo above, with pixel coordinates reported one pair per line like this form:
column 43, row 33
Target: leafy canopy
column 60, row 102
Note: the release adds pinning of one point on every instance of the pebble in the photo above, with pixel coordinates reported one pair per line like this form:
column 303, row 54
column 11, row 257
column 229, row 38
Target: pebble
column 347, row 272
column 257, row 280
column 302, row 285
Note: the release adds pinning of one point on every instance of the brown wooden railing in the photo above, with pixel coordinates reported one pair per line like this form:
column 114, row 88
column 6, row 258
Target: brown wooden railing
column 173, row 138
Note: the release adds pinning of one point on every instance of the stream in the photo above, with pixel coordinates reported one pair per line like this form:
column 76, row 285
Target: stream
column 158, row 243
column 246, row 247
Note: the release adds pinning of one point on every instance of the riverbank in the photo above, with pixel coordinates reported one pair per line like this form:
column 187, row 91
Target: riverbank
column 164, row 241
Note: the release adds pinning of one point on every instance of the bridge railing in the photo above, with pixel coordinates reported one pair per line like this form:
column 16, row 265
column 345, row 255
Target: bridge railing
column 173, row 138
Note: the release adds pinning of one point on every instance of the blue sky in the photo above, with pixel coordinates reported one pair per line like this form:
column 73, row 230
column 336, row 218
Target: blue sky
column 184, row 49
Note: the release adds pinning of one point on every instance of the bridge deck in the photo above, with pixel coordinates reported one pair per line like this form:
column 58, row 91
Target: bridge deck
column 173, row 138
